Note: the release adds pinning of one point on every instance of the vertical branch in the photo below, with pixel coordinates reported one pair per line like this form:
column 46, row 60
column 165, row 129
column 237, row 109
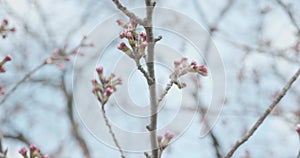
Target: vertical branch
column 152, row 86
column 75, row 132
column 264, row 116
column 111, row 132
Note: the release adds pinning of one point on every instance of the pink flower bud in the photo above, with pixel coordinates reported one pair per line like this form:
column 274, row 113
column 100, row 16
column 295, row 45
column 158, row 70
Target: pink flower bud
column 176, row 63
column 45, row 156
column 183, row 60
column 159, row 138
column 121, row 22
column 67, row 59
column 12, row 29
column 49, row 61
column 298, row 128
column 109, row 91
column 122, row 46
column 5, row 22
column 129, row 35
column 2, row 69
column 169, row 135
column 23, row 151
column 99, row 70
column 7, row 58
column 32, row 147
column 203, row 70
column 60, row 65
column 94, row 82
column 133, row 23
column 143, row 35
column 144, row 45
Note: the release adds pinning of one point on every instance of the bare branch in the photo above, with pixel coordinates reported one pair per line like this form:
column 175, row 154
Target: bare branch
column 127, row 12
column 169, row 85
column 143, row 71
column 264, row 116
column 111, row 132
column 28, row 75
column 19, row 137
column 75, row 132
column 290, row 15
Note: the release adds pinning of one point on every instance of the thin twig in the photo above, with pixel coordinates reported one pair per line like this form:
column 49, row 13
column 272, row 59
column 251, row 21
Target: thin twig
column 157, row 39
column 75, row 132
column 127, row 12
column 111, row 131
column 146, row 75
column 28, row 75
column 19, row 136
column 169, row 86
column 147, row 155
column 264, row 116
column 290, row 15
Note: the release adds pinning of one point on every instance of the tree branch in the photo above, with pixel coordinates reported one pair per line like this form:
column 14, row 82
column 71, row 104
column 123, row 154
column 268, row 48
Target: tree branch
column 131, row 15
column 264, row 116
column 75, row 132
column 112, row 132
column 28, row 75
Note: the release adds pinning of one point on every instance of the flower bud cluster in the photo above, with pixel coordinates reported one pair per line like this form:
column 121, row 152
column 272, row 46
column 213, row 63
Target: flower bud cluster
column 137, row 41
column 33, row 153
column 104, row 87
column 182, row 67
column 164, row 142
column 59, row 56
column 4, row 29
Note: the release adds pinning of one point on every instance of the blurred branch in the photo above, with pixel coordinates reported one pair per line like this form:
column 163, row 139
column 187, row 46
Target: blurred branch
column 214, row 26
column 28, row 75
column 264, row 116
column 19, row 137
column 75, row 132
column 286, row 8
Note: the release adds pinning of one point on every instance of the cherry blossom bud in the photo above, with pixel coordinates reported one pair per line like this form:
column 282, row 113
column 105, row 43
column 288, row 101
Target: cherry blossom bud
column 122, row 46
column 49, row 61
column 169, row 135
column 67, row 59
column 143, row 35
column 5, row 22
column 129, row 35
column 121, row 22
column 23, row 151
column 109, row 91
column 159, row 138
column 176, row 63
column 143, row 45
column 32, row 148
column 203, row 70
column 298, row 129
column 45, row 156
column 60, row 65
column 94, row 82
column 12, row 29
column 99, row 70
column 2, row 69
column 7, row 58
column 133, row 23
